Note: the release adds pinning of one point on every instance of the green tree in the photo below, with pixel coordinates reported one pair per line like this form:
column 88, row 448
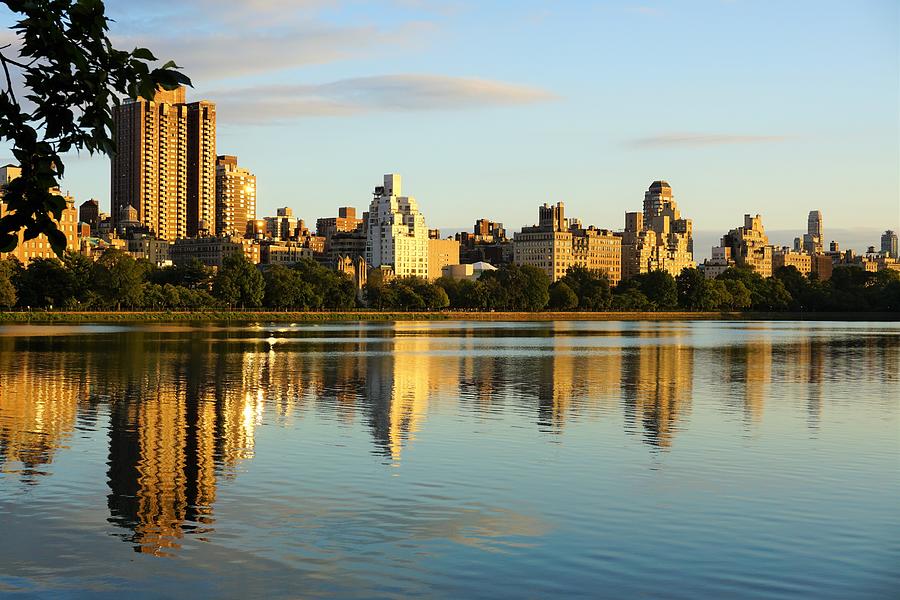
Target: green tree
column 712, row 295
column 44, row 284
column 562, row 297
column 515, row 287
column 738, row 292
column 192, row 274
column 332, row 289
column 8, row 297
column 72, row 77
column 630, row 299
column 82, row 270
column 591, row 287
column 119, row 279
column 239, row 282
column 658, row 287
column 285, row 288
column 690, row 283
column 434, row 296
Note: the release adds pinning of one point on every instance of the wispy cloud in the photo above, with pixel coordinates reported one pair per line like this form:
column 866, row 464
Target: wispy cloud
column 220, row 39
column 648, row 11
column 386, row 93
column 226, row 54
column 703, row 139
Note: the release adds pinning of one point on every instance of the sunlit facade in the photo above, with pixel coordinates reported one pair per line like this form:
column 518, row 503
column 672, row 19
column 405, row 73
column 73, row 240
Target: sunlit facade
column 165, row 164
column 657, row 239
column 397, row 235
column 235, row 197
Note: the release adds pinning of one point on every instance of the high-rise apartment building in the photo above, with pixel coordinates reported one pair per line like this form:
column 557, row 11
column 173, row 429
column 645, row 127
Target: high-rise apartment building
column 235, row 196
column 165, row 164
column 201, row 168
column 813, row 240
column 555, row 244
column 750, row 245
column 889, row 244
column 657, row 238
column 397, row 235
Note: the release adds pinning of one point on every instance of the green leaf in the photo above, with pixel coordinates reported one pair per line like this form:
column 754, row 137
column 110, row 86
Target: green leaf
column 143, row 54
column 57, row 241
column 8, row 242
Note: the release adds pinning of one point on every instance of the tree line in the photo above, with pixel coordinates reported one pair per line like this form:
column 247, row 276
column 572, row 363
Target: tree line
column 117, row 281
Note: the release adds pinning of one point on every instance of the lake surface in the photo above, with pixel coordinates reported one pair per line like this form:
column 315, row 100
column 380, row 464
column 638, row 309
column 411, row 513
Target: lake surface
column 451, row 459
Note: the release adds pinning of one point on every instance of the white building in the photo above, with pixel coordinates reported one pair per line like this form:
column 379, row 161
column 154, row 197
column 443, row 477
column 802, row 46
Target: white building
column 396, row 235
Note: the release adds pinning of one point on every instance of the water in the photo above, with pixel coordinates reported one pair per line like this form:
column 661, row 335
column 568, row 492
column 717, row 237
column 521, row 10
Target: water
column 457, row 460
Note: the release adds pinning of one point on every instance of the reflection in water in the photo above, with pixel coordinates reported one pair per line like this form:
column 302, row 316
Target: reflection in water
column 183, row 408
column 656, row 385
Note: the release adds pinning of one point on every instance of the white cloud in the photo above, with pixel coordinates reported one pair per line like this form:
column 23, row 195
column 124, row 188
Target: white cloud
column 386, row 93
column 703, row 139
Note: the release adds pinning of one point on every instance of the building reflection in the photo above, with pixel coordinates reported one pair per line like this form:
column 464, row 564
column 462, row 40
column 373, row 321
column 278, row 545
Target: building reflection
column 184, row 410
column 657, row 387
column 38, row 413
column 180, row 424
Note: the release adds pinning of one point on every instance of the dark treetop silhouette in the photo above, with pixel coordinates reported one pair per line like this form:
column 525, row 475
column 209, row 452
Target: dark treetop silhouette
column 71, row 76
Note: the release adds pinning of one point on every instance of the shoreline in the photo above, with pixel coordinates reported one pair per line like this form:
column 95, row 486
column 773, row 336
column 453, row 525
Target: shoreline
column 293, row 316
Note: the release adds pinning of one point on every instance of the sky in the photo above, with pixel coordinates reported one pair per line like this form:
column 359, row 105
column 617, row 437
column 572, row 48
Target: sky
column 491, row 108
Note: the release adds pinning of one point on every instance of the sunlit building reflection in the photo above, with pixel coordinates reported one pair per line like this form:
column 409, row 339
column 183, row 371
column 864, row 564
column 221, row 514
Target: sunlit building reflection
column 175, row 431
column 657, row 383
column 37, row 412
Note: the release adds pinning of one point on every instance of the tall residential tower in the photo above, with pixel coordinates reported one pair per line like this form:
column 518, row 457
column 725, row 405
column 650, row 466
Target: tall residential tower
column 397, row 235
column 657, row 238
column 165, row 164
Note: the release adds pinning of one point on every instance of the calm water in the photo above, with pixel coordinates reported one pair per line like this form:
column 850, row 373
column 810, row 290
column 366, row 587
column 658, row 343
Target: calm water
column 463, row 460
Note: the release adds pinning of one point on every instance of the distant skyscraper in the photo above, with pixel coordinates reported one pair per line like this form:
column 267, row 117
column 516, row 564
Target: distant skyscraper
column 889, row 243
column 397, row 234
column 235, row 197
column 164, row 164
column 815, row 233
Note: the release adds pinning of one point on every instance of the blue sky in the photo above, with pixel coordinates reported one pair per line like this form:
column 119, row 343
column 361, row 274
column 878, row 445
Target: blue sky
column 491, row 108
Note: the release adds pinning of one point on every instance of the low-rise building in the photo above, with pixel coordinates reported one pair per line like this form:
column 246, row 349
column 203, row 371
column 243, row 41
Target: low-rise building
column 472, row 272
column 149, row 248
column 280, row 252
column 39, row 247
column 440, row 254
column 785, row 257
column 211, row 251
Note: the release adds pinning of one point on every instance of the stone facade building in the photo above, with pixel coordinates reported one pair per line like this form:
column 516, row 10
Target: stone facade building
column 555, row 244
column 657, row 238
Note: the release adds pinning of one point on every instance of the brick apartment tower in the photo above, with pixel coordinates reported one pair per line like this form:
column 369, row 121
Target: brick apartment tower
column 165, row 164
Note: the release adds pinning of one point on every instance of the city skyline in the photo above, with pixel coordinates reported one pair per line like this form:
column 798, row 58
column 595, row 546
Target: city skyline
column 777, row 137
